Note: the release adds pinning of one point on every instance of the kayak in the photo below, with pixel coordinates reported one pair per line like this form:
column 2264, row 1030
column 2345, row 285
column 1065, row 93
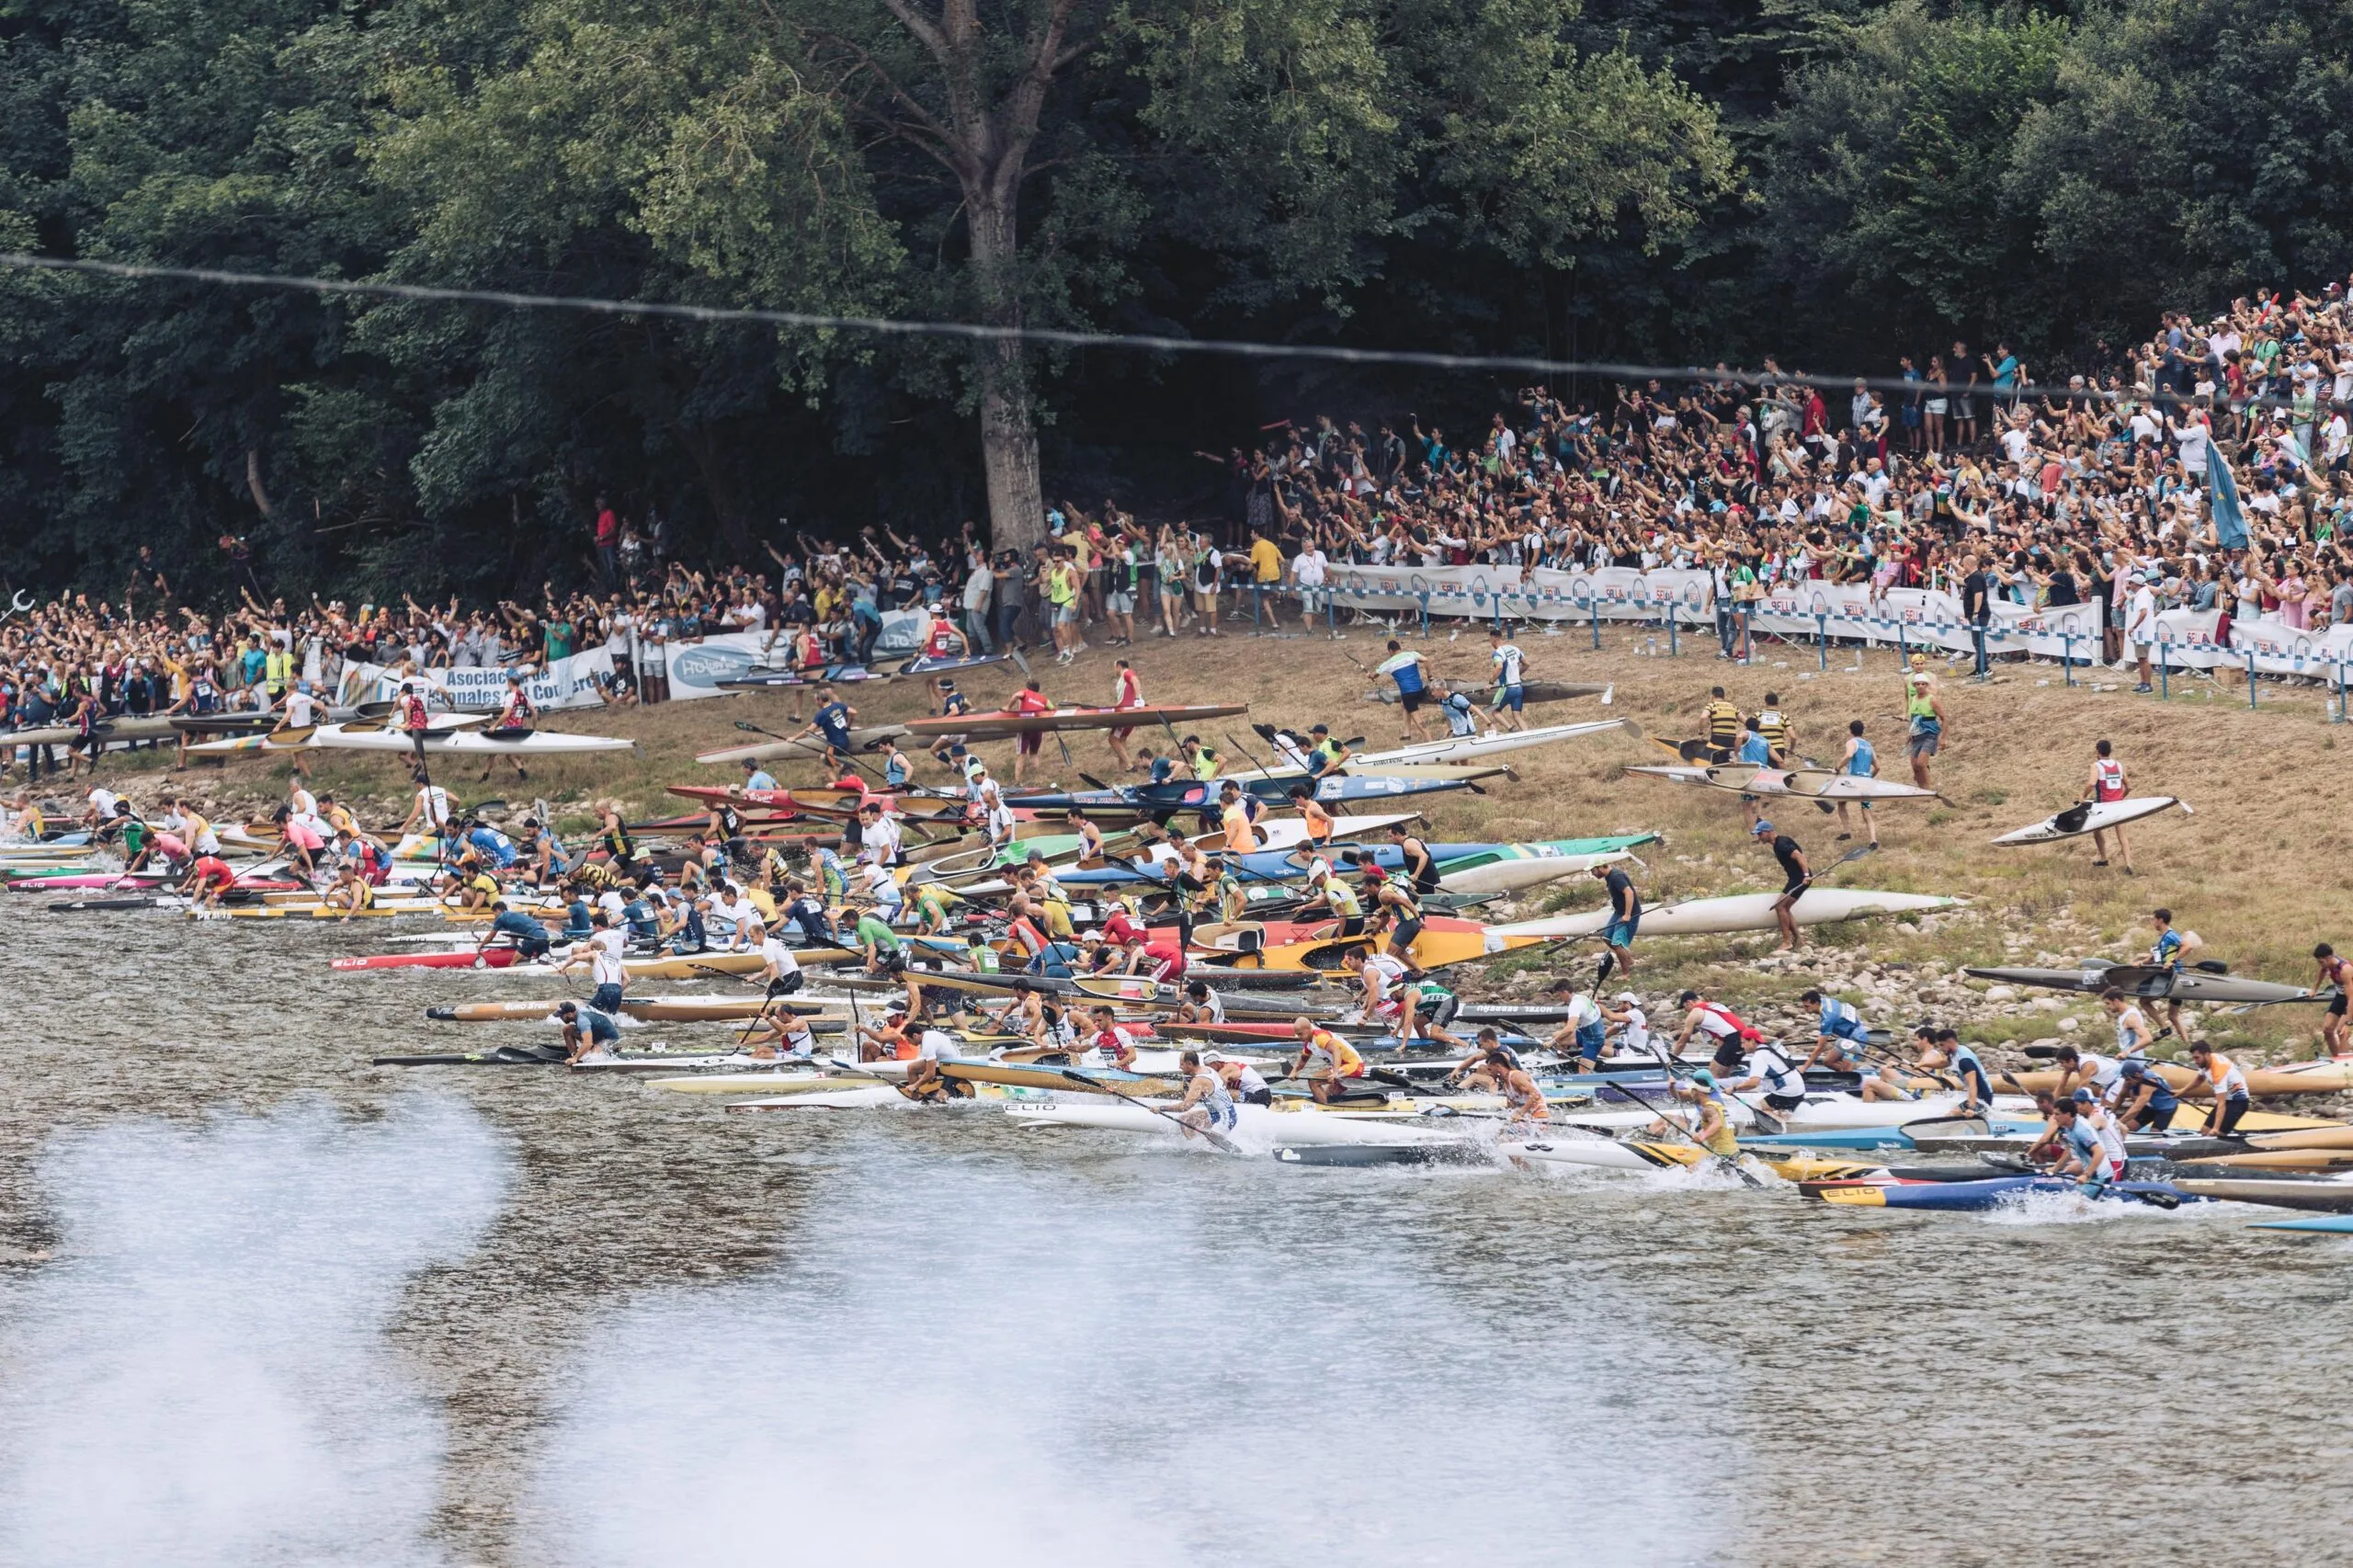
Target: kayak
column 1261, row 1125
column 1977, row 1196
column 762, row 680
column 2330, row 1194
column 1464, row 748
column 1529, row 691
column 861, row 739
column 2330, row 1224
column 1038, row 1075
column 1740, row 912
column 339, row 738
column 648, row 1009
column 2089, row 816
column 1442, row 942
column 1006, row 722
column 2152, row 981
column 2263, row 1083
column 1812, row 783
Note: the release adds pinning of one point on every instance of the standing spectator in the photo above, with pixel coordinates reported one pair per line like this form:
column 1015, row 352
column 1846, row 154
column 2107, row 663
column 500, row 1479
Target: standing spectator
column 608, row 541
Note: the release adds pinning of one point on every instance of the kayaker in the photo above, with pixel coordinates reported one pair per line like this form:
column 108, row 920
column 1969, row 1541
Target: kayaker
column 1312, row 816
column 350, row 892
column 1109, row 1045
column 523, row 932
column 1201, row 1005
column 1796, row 877
column 880, row 944
column 1327, row 755
column 1767, row 1067
column 1413, row 858
column 830, row 723
column 782, row 1034
column 1858, row 761
column 1949, row 1054
column 1713, row 1020
column 416, row 723
column 1389, row 996
column 1233, row 820
column 2083, row 1152
column 779, row 969
column 1583, row 1030
column 1723, row 725
column 1925, row 714
column 586, row 1030
column 1633, row 1024
column 1511, row 690
column 2225, row 1082
column 2109, row 782
column 1524, row 1110
column 2145, row 1101
column 1089, row 836
column 1625, row 920
column 1325, row 1061
column 888, row 1040
column 2172, row 950
column 1754, row 751
column 2133, row 1036
column 1208, row 1105
column 1127, row 691
column 933, row 1047
column 1241, row 1079
column 1711, row 1129
column 1329, row 893
column 208, row 879
column 1774, row 726
column 1396, row 913
column 2082, row 1069
column 757, row 780
column 1412, row 675
column 603, row 956
column 1485, row 1061
column 1029, row 743
column 2337, row 972
column 1840, row 1034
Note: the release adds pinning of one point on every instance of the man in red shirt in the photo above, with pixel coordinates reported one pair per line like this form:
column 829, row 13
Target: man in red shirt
column 1028, row 699
column 609, row 538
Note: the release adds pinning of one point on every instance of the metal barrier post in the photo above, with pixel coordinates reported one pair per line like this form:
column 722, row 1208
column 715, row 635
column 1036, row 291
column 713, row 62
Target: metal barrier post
column 2250, row 675
column 1596, row 623
column 2067, row 656
column 2338, row 717
column 1425, row 612
column 2165, row 669
column 1822, row 639
column 1675, row 653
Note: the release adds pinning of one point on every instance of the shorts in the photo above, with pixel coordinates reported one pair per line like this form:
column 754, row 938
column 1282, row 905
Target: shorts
column 1030, row 743
column 1120, row 602
column 1589, row 1041
column 2103, row 1171
column 1621, row 933
column 1512, row 696
column 1259, row 1096
column 2233, row 1109
column 532, row 948
column 2155, row 1114
column 1795, row 886
column 1066, row 615
column 1411, row 700
column 1785, row 1102
column 2337, row 1008
column 605, row 998
column 1402, row 935
column 1922, row 743
column 893, row 964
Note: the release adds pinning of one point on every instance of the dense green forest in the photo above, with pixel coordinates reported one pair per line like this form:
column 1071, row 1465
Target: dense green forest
column 1831, row 181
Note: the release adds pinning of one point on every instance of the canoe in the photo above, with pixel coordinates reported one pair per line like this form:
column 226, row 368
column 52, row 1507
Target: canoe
column 1740, row 912
column 2151, row 982
column 1442, row 942
column 480, row 743
column 861, row 738
column 1257, row 1125
column 2089, row 816
column 647, row 1009
column 783, row 1079
column 1006, row 722
column 1038, row 1075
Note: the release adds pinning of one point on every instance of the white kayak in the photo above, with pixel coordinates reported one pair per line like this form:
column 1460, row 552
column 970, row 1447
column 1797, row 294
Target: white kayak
column 769, row 751
column 1810, row 783
column 1257, row 1125
column 1516, row 873
column 1739, row 912
column 1465, row 748
column 2090, row 816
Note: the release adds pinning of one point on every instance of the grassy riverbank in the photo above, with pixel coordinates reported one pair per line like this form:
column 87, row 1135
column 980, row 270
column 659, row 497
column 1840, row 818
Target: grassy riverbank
column 2258, row 870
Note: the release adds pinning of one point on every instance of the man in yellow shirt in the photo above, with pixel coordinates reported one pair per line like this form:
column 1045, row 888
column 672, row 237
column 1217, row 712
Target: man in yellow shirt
column 1265, row 576
column 1062, row 600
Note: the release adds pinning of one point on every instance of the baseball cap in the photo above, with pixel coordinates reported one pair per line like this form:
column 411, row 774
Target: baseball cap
column 1762, row 827
column 1628, row 997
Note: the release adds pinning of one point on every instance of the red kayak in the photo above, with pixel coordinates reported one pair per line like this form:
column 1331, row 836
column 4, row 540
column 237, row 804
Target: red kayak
column 489, row 958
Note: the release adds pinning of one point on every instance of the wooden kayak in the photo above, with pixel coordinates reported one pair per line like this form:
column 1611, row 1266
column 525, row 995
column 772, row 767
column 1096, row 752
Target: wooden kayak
column 2263, row 1083
column 997, row 725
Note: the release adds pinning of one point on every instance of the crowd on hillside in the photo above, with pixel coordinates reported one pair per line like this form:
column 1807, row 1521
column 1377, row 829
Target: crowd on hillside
column 1967, row 472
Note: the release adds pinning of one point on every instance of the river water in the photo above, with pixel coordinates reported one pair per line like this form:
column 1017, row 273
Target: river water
column 263, row 1303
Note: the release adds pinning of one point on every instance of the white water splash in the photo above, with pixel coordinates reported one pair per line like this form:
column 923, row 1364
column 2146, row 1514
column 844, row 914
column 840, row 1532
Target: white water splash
column 200, row 1377
column 990, row 1366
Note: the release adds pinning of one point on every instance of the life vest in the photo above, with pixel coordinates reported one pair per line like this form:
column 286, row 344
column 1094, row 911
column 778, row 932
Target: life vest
column 1740, row 1027
column 2108, row 774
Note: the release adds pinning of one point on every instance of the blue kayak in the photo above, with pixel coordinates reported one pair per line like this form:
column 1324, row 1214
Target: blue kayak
column 2328, row 1224
column 1966, row 1196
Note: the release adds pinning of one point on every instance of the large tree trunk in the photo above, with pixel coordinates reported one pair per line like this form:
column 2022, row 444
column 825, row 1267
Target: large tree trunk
column 1008, row 420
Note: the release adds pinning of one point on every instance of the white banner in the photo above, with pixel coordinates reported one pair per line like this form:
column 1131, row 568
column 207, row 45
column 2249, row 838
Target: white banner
column 575, row 682
column 1543, row 593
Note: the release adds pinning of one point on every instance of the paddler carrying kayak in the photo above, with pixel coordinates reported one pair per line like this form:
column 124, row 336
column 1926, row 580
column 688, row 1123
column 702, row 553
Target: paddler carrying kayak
column 1325, row 1061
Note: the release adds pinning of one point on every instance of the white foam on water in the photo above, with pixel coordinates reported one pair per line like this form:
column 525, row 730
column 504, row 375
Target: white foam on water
column 199, row 1377
column 2068, row 1208
column 991, row 1365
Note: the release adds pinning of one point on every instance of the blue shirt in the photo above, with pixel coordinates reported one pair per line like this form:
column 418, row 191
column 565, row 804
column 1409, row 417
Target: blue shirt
column 1841, row 1019
column 2167, row 949
column 514, row 923
column 832, row 722
column 1756, row 749
column 494, row 843
column 1163, row 769
column 761, row 778
column 1864, row 761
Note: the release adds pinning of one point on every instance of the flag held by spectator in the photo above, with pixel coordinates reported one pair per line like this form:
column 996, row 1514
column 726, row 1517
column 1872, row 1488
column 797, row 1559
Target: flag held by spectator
column 2223, row 492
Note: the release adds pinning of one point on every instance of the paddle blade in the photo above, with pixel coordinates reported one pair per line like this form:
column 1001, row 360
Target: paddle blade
column 1609, row 694
column 747, row 727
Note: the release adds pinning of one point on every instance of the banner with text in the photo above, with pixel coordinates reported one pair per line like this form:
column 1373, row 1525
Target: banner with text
column 575, row 682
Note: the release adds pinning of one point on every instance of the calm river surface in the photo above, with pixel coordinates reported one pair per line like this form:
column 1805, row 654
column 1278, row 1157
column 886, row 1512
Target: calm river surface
column 297, row 1310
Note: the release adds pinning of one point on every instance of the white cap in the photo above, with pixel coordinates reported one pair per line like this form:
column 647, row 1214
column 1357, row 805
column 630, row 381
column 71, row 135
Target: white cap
column 1628, row 997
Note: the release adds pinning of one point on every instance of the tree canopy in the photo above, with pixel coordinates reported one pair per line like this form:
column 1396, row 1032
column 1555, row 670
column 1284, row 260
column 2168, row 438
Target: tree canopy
column 1834, row 181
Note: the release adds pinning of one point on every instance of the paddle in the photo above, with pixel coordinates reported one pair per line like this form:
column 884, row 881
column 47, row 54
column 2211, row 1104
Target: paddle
column 1746, row 1178
column 1217, row 1140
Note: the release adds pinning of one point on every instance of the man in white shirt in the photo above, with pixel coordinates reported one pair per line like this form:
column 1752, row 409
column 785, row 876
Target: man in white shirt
column 878, row 835
column 980, row 586
column 2140, row 626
